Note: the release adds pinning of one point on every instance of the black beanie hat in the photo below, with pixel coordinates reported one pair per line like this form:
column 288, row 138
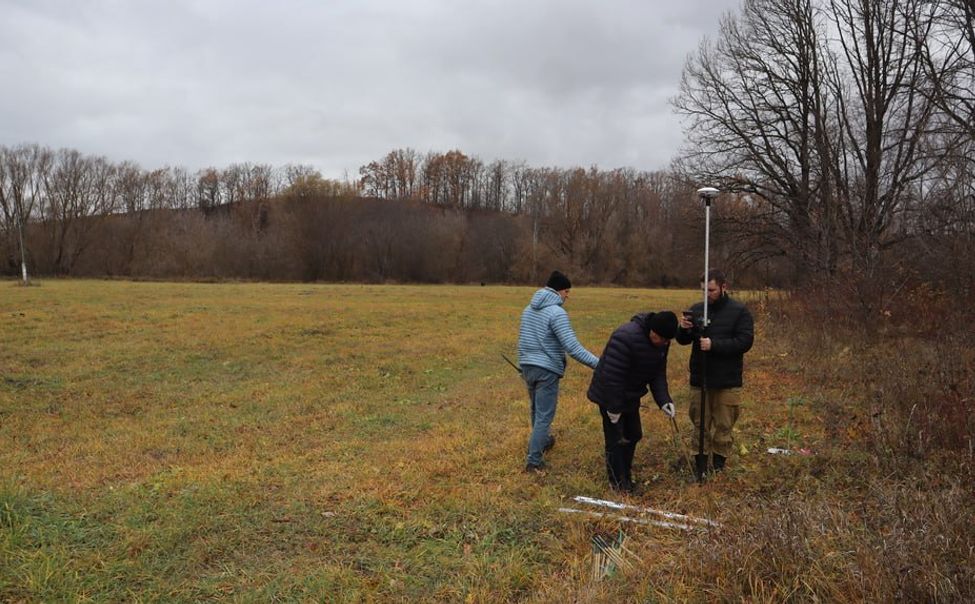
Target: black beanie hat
column 664, row 324
column 558, row 281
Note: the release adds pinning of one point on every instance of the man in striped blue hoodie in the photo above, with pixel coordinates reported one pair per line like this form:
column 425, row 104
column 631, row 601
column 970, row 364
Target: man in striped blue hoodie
column 544, row 338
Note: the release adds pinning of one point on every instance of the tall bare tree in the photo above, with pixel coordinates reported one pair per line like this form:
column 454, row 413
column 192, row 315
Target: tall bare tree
column 396, row 176
column 813, row 112
column 209, row 192
column 77, row 188
column 946, row 32
column 497, row 186
column 884, row 118
column 22, row 173
column 755, row 103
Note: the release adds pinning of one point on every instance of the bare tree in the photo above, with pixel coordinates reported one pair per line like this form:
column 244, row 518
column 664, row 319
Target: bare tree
column 449, row 178
column 180, row 189
column 396, row 176
column 497, row 186
column 813, row 112
column 404, row 167
column 946, row 33
column 259, row 182
column 233, row 183
column 208, row 190
column 132, row 186
column 312, row 185
column 375, row 180
column 884, row 119
column 22, row 173
column 297, row 173
column 755, row 101
column 77, row 188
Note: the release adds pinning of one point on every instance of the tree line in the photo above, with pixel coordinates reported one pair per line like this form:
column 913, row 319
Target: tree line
column 613, row 226
column 87, row 216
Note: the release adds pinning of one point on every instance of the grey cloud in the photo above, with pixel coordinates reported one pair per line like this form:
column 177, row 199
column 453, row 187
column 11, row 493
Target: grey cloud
column 337, row 84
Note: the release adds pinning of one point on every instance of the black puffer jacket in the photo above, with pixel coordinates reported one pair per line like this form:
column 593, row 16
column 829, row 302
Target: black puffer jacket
column 732, row 332
column 627, row 366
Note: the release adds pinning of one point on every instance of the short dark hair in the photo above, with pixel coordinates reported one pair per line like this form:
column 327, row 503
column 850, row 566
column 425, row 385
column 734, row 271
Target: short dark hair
column 716, row 275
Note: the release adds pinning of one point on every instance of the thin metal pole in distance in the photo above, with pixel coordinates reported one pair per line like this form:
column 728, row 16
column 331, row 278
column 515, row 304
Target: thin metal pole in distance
column 20, row 235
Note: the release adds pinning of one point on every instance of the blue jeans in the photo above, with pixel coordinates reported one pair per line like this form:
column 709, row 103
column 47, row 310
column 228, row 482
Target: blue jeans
column 543, row 391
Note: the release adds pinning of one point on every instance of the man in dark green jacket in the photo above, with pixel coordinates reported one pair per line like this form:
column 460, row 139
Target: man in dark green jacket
column 725, row 340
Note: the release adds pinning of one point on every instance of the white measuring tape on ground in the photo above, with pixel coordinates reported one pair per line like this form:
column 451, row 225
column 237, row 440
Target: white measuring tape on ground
column 680, row 520
column 661, row 523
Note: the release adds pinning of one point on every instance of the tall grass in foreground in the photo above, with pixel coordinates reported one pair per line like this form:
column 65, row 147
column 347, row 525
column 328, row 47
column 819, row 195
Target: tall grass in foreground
column 251, row 442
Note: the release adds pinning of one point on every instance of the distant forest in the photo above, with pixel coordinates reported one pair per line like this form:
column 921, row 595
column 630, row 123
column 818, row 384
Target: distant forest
column 841, row 133
column 434, row 219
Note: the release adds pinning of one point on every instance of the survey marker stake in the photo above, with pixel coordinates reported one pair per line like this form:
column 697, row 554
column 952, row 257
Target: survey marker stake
column 505, row 357
column 680, row 445
column 610, row 553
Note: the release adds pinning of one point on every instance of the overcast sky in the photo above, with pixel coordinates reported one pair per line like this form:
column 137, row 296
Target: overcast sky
column 336, row 84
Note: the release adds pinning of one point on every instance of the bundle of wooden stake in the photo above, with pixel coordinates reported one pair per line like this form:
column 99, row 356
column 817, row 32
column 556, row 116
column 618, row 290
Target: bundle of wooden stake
column 609, row 553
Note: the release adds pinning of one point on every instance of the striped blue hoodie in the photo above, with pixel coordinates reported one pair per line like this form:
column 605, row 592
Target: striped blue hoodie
column 545, row 335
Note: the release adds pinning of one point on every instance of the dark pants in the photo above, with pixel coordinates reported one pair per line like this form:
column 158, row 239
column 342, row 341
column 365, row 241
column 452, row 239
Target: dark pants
column 621, row 439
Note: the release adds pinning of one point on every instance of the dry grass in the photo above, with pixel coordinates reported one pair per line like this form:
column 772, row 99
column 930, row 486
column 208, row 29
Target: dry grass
column 364, row 443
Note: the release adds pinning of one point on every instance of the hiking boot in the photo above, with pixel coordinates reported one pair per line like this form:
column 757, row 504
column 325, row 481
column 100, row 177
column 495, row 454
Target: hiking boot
column 551, row 443
column 626, row 487
column 535, row 469
column 718, row 461
column 700, row 466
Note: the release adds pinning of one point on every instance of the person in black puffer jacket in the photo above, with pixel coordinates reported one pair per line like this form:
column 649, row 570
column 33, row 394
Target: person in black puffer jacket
column 634, row 358
column 726, row 339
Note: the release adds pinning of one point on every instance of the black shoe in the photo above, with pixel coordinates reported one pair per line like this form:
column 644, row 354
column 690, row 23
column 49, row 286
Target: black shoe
column 700, row 466
column 551, row 443
column 626, row 487
column 718, row 461
column 535, row 469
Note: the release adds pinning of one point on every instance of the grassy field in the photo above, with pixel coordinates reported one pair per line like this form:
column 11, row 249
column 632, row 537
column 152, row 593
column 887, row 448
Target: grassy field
column 258, row 442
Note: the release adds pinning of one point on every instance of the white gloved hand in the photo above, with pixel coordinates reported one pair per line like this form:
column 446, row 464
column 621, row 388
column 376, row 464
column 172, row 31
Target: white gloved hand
column 614, row 417
column 669, row 409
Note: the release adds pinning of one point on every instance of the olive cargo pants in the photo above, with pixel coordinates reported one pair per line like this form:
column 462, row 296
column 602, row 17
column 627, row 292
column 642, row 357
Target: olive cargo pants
column 723, row 409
